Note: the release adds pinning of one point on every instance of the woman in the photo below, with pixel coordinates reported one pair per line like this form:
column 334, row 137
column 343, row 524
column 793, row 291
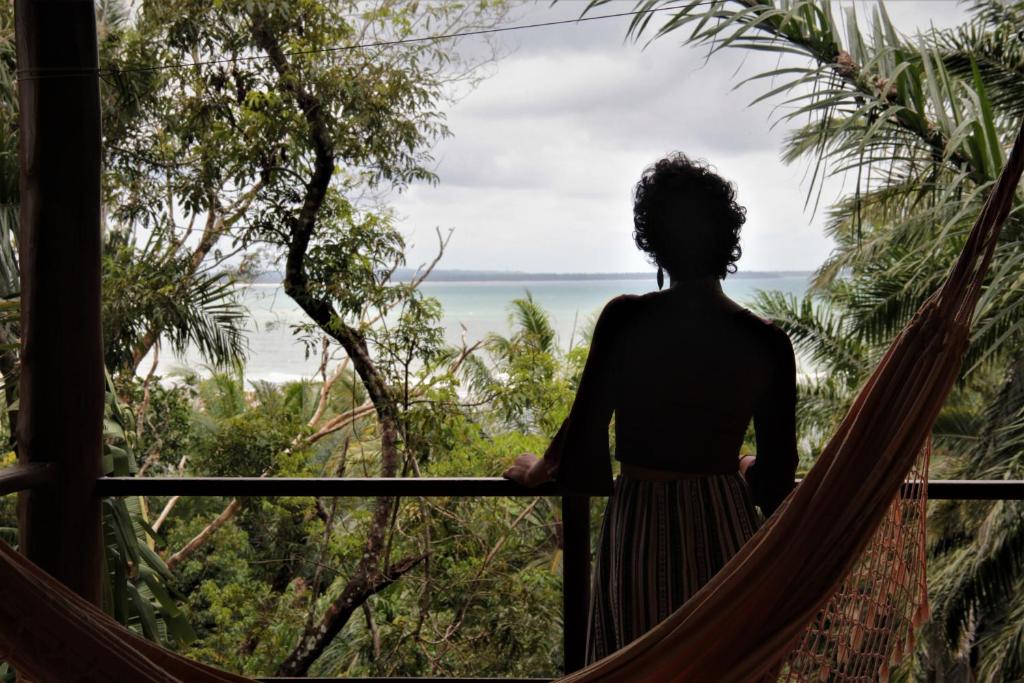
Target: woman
column 683, row 370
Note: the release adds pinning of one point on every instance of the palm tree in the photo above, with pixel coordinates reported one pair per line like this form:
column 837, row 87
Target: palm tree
column 151, row 287
column 153, row 293
column 923, row 123
column 836, row 361
column 526, row 383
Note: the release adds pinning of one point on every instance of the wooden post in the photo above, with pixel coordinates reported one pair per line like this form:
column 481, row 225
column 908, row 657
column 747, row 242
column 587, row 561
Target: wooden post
column 60, row 417
column 575, row 578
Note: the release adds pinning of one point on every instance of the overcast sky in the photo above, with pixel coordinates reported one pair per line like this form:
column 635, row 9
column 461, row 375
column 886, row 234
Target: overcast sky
column 538, row 174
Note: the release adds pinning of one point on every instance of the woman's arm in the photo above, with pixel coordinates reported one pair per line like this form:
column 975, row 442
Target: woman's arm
column 771, row 474
column 529, row 470
column 578, row 456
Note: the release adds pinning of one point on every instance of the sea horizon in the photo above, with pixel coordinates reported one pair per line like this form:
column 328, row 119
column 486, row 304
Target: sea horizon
column 483, row 275
column 472, row 310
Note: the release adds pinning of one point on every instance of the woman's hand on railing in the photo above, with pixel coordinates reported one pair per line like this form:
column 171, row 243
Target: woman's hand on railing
column 529, row 470
column 745, row 462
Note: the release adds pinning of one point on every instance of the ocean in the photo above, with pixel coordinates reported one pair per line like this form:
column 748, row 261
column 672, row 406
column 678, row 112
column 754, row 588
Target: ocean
column 472, row 310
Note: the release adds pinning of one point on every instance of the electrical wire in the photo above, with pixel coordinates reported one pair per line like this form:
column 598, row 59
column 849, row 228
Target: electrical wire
column 61, row 72
column 58, row 72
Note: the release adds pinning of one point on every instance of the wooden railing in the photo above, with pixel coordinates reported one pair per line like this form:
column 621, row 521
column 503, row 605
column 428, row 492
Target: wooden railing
column 575, row 520
column 481, row 487
column 22, row 477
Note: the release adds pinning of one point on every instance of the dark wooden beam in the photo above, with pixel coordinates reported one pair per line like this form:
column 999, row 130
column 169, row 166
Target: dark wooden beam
column 23, row 477
column 575, row 579
column 61, row 391
column 977, row 489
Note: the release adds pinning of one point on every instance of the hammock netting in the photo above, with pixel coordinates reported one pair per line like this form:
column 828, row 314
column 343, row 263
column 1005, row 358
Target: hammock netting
column 830, row 588
column 868, row 625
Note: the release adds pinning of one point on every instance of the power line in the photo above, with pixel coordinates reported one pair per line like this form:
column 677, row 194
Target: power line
column 421, row 39
column 59, row 72
column 56, row 72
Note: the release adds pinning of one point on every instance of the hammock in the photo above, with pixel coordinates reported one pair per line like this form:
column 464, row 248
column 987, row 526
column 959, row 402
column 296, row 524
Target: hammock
column 824, row 591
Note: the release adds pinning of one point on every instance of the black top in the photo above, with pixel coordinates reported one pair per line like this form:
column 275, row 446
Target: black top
column 683, row 382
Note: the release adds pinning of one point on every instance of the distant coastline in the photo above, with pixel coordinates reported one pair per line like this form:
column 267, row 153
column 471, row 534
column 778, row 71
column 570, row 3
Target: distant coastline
column 455, row 275
column 473, row 305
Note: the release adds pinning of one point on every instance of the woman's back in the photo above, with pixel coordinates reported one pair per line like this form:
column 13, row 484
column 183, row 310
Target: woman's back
column 688, row 371
column 683, row 371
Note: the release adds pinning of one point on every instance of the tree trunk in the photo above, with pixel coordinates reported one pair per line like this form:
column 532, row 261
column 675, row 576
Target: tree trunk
column 368, row 577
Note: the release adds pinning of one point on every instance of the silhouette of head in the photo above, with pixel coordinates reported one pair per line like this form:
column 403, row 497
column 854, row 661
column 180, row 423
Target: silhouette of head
column 686, row 219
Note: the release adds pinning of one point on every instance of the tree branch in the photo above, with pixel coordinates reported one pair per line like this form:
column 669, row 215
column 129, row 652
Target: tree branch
column 203, row 536
column 356, row 592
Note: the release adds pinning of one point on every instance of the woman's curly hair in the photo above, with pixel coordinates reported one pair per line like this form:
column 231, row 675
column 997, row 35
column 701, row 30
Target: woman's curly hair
column 685, row 217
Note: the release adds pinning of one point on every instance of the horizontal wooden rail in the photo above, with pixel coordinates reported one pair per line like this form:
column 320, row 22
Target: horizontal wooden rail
column 942, row 489
column 25, row 476
column 299, row 486
column 976, row 489
column 399, row 679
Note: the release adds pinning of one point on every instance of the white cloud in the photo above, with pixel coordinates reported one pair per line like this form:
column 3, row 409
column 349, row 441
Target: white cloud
column 545, row 152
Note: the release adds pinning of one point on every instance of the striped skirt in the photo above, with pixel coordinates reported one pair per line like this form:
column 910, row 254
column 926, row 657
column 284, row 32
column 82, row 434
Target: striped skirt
column 660, row 542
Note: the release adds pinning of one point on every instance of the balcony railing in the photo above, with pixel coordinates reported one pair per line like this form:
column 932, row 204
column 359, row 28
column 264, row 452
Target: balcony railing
column 480, row 487
column 575, row 521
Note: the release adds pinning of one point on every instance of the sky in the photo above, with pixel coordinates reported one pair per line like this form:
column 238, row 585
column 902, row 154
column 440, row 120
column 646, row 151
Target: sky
column 538, row 174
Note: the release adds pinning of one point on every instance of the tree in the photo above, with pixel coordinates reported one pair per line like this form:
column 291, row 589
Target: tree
column 923, row 123
column 160, row 282
column 137, row 592
column 278, row 126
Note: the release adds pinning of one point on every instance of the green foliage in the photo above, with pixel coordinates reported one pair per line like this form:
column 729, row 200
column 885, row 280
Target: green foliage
column 139, row 593
column 249, row 444
column 223, row 395
column 235, row 612
column 164, row 429
column 8, row 508
column 531, row 381
column 147, row 290
column 485, row 601
column 836, row 360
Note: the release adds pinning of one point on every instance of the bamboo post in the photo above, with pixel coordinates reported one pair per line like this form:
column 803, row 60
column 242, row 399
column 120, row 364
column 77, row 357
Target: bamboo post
column 62, row 383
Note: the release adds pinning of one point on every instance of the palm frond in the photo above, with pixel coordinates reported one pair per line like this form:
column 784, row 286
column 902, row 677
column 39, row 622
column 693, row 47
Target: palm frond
column 532, row 322
column 817, row 331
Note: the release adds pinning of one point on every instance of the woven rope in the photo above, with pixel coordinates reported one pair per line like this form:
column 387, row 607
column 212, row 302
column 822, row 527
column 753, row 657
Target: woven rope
column 868, row 625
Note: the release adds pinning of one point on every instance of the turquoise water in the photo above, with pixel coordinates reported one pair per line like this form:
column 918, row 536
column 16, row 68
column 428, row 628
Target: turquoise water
column 484, row 307
column 472, row 310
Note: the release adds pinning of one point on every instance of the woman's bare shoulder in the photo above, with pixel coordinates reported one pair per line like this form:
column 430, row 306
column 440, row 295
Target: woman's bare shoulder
column 616, row 314
column 622, row 304
column 769, row 331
